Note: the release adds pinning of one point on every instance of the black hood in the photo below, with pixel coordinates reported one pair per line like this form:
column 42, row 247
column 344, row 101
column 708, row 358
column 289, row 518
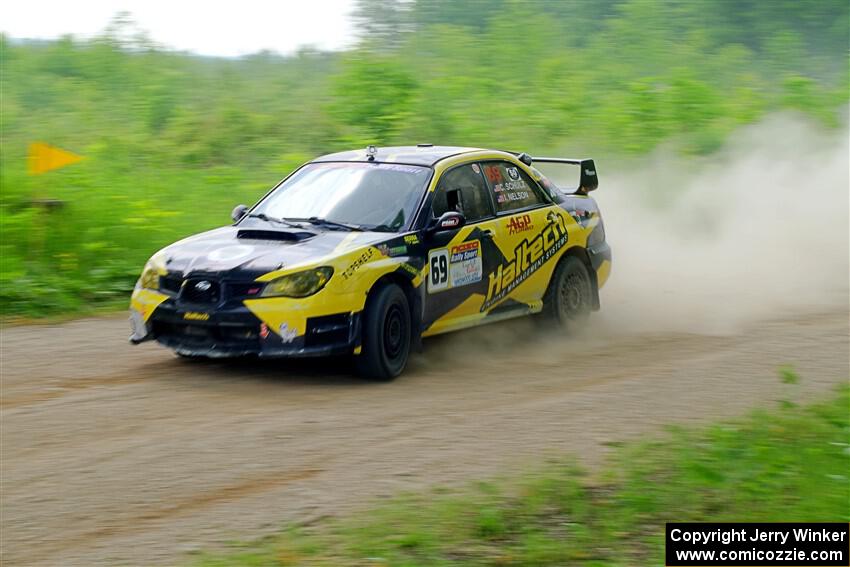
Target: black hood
column 246, row 253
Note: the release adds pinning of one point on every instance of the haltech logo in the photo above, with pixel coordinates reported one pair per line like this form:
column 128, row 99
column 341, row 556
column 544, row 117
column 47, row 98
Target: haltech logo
column 519, row 224
column 196, row 316
column 528, row 257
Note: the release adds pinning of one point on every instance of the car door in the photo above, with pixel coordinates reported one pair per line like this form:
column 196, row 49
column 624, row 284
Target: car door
column 530, row 232
column 459, row 260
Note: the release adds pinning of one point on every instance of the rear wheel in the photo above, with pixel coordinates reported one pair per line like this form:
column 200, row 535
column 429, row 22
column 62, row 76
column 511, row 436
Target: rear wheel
column 386, row 335
column 569, row 299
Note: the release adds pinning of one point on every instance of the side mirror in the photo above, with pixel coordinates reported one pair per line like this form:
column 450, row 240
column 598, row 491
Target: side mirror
column 450, row 220
column 239, row 211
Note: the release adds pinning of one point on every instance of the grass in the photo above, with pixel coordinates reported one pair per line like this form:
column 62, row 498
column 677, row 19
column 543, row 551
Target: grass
column 172, row 141
column 87, row 254
column 788, row 464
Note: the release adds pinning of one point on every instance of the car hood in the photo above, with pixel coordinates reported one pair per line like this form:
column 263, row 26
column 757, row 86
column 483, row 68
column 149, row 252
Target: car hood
column 251, row 251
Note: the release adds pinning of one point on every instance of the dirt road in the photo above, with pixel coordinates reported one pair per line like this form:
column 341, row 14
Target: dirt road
column 113, row 454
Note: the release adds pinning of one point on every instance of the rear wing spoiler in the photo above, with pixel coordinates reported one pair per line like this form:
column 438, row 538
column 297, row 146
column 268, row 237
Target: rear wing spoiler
column 588, row 180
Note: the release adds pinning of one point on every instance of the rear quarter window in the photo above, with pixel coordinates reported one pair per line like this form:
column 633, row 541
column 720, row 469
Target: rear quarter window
column 512, row 188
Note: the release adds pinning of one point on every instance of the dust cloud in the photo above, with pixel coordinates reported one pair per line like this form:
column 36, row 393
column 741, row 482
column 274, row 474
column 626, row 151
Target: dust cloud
column 754, row 232
column 716, row 245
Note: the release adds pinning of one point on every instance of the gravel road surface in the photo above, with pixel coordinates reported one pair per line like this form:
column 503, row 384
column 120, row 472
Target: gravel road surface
column 113, row 454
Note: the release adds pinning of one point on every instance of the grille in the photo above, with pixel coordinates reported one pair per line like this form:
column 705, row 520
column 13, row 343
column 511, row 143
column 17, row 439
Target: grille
column 200, row 290
column 217, row 291
column 222, row 335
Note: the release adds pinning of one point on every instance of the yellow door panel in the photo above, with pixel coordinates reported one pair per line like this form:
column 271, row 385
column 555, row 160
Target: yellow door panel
column 531, row 254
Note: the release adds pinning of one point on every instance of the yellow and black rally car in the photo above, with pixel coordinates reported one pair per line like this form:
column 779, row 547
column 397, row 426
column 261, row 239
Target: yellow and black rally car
column 366, row 252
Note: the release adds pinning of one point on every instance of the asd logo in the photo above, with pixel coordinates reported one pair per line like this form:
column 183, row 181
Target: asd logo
column 519, row 224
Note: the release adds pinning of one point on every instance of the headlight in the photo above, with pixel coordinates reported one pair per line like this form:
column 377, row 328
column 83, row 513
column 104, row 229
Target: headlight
column 154, row 268
column 150, row 277
column 299, row 284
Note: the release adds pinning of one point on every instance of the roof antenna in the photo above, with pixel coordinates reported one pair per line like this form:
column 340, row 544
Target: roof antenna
column 370, row 152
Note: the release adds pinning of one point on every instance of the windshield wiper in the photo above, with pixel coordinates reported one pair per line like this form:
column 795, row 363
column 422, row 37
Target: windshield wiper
column 267, row 218
column 316, row 221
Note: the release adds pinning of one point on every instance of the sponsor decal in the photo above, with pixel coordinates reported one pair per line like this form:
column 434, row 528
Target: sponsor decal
column 362, row 259
column 519, row 224
column 513, row 173
column 196, row 316
column 465, row 263
column 411, row 239
column 399, row 167
column 264, row 331
column 287, row 334
column 581, row 216
column 203, row 285
column 450, row 222
column 454, row 267
column 493, row 173
column 528, row 257
column 392, row 250
column 410, row 270
column 475, row 168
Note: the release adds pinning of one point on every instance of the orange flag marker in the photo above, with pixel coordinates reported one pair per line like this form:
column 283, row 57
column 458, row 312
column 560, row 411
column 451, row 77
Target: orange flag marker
column 43, row 157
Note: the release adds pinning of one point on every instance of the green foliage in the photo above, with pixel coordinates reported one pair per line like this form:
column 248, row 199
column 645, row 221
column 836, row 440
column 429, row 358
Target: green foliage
column 767, row 468
column 172, row 141
column 788, row 375
column 372, row 98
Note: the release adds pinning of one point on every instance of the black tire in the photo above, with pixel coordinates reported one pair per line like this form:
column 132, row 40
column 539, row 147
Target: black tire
column 386, row 335
column 569, row 299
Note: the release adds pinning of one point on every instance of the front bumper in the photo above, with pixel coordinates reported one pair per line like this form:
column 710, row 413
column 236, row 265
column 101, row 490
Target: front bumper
column 233, row 331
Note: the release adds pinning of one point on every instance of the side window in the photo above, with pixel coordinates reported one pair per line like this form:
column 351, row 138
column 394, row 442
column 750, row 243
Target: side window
column 512, row 188
column 462, row 189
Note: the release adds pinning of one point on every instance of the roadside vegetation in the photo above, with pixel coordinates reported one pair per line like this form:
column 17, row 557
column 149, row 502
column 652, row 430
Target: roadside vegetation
column 173, row 141
column 790, row 464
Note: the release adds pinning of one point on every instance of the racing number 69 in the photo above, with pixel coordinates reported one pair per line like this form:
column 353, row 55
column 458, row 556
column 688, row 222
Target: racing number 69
column 441, row 269
column 439, row 264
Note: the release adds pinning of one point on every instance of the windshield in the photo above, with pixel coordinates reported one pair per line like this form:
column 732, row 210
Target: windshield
column 368, row 195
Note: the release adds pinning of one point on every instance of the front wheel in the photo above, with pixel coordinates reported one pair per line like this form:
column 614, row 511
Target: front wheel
column 386, row 335
column 569, row 299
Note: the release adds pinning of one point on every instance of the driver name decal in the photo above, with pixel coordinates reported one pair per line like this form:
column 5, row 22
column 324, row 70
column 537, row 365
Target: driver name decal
column 528, row 257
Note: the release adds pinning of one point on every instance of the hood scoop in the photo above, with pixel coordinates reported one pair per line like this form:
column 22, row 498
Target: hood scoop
column 280, row 235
